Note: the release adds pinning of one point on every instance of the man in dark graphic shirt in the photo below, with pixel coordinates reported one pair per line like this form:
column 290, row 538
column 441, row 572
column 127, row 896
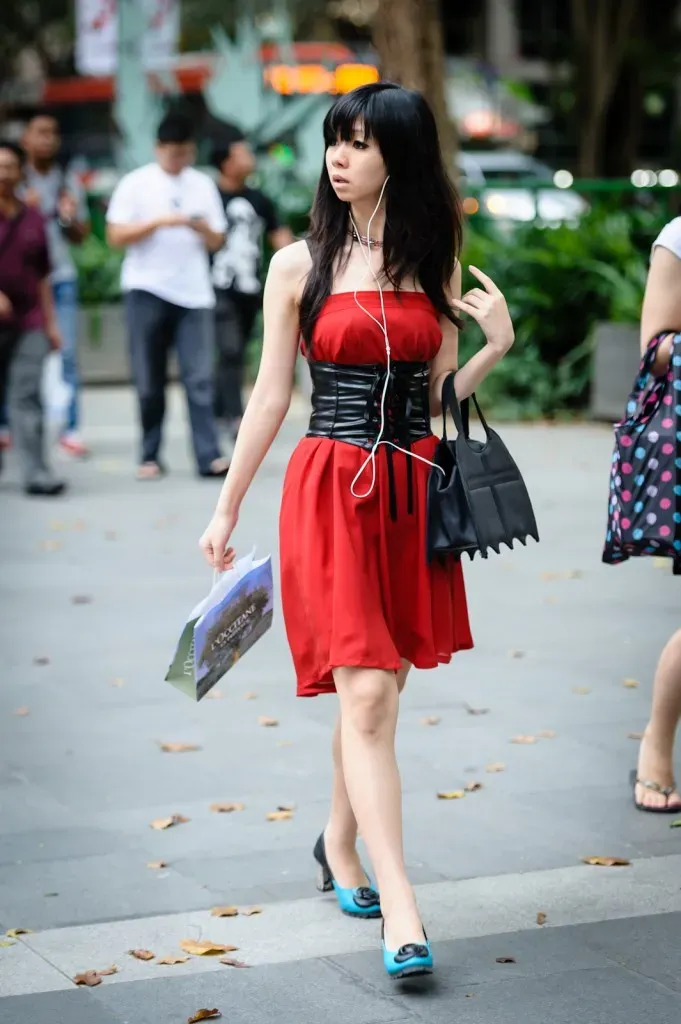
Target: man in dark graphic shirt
column 28, row 327
column 251, row 219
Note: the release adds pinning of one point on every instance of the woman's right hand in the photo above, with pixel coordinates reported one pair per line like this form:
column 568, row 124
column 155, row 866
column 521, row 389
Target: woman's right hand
column 214, row 541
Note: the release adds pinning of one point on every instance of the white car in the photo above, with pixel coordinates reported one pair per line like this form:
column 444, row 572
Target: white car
column 550, row 205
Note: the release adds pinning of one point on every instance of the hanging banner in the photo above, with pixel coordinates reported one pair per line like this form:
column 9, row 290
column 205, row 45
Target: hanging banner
column 97, row 35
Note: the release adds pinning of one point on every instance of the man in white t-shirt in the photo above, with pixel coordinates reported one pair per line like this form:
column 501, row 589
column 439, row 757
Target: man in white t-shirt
column 169, row 217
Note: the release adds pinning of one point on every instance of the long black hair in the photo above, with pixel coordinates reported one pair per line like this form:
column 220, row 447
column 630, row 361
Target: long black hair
column 422, row 235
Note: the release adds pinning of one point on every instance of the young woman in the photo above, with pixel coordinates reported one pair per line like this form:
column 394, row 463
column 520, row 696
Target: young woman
column 375, row 293
column 654, row 788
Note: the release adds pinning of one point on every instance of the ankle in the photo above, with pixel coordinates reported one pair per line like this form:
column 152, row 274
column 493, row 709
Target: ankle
column 343, row 840
column 658, row 742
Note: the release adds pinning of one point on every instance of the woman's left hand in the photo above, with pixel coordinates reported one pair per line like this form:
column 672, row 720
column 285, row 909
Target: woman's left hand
column 489, row 308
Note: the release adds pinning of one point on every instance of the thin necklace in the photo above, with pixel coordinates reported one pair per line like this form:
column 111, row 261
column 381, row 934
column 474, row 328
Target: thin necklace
column 371, row 243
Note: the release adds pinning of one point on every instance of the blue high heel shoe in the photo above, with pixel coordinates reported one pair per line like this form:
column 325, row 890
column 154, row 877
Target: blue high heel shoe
column 407, row 961
column 360, row 902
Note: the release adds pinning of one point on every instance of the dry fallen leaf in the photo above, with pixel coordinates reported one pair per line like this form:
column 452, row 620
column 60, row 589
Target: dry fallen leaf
column 170, row 961
column 581, row 690
column 231, row 962
column 574, row 574
column 506, row 960
column 224, row 911
column 630, row 684
column 286, row 807
column 431, row 720
column 267, row 722
column 14, row 933
column 51, row 545
column 204, row 947
column 476, row 711
column 21, row 712
column 498, row 766
column 109, row 971
column 89, row 978
column 549, row 577
column 516, row 653
column 178, row 748
column 157, row 865
column 524, row 739
column 661, row 563
column 452, row 794
column 541, row 917
column 176, row 819
column 635, row 736
column 607, row 862
column 142, row 954
column 204, row 1015
column 226, row 808
column 285, row 743
column 250, row 696
column 79, row 524
column 81, row 599
column 676, row 824
column 547, row 734
column 251, row 911
column 279, row 815
column 473, row 787
column 41, row 661
column 214, row 695
column 6, row 945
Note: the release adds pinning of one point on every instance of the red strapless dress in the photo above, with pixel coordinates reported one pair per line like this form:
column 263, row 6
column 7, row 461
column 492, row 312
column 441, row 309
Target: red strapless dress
column 356, row 586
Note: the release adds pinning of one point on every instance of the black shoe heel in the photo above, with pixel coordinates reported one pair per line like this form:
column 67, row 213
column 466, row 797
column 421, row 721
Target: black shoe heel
column 324, row 881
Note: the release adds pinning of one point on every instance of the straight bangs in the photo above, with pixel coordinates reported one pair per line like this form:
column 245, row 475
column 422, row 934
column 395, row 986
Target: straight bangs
column 341, row 120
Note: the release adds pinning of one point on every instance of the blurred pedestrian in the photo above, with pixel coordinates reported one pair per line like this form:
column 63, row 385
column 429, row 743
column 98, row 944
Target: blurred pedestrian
column 28, row 326
column 654, row 787
column 375, row 292
column 169, row 217
column 61, row 198
column 252, row 220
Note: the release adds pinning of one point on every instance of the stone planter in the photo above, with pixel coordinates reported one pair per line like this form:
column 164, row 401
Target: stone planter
column 103, row 348
column 615, row 362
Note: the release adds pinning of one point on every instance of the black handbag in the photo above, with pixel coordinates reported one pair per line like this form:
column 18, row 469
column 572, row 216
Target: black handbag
column 477, row 498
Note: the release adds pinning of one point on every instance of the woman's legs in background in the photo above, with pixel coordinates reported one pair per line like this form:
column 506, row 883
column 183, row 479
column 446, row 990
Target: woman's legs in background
column 369, row 701
column 340, row 834
column 655, row 762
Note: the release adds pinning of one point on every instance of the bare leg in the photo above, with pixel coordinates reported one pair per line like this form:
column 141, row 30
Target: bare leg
column 369, row 704
column 340, row 834
column 657, row 748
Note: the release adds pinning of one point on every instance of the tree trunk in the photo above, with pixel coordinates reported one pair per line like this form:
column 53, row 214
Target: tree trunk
column 409, row 39
column 602, row 29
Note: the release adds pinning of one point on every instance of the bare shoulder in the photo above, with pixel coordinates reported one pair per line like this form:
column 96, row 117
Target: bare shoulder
column 290, row 266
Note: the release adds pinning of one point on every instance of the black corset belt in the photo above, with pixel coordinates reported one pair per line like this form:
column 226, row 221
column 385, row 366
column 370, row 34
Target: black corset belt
column 346, row 406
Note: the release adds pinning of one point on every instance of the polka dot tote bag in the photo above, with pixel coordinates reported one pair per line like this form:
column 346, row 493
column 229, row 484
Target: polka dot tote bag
column 644, row 512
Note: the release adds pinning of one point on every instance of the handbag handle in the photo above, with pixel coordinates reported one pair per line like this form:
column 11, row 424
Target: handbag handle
column 460, row 413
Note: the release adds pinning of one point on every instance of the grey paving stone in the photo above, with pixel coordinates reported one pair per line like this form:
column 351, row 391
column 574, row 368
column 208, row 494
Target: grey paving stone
column 104, row 888
column 645, row 945
column 304, row 993
column 58, row 844
column 22, row 970
column 76, row 1007
column 607, row 996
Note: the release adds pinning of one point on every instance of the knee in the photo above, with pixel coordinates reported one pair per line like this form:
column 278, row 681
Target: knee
column 371, row 707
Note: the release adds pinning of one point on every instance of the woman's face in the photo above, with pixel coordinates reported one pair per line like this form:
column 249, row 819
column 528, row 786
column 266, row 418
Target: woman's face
column 356, row 168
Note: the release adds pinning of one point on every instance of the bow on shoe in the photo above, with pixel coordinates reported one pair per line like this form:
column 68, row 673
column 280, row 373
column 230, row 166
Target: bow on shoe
column 364, row 896
column 412, row 949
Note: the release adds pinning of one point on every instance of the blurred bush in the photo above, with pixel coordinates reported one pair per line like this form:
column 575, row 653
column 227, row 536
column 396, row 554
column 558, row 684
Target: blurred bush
column 99, row 272
column 559, row 283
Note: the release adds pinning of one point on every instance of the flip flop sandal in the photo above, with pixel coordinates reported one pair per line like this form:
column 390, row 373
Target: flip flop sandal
column 655, row 787
column 150, row 471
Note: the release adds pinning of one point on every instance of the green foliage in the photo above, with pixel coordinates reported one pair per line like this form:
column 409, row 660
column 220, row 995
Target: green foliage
column 559, row 283
column 99, row 271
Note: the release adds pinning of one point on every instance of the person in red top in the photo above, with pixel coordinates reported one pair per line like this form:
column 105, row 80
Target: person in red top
column 28, row 327
column 375, row 292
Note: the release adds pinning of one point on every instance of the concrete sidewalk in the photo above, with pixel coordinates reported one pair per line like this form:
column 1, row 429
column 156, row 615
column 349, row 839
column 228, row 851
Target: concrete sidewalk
column 94, row 590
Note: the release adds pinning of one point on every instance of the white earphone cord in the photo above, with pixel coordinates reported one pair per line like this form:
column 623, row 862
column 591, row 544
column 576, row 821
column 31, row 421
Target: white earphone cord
column 371, row 458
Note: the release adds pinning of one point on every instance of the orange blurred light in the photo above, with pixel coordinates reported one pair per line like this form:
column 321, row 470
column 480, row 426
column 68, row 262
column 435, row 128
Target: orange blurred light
column 470, row 205
column 306, row 79
column 351, row 76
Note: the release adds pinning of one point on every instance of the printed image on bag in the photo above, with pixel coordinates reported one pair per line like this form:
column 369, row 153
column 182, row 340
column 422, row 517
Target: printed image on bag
column 235, row 615
column 644, row 511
